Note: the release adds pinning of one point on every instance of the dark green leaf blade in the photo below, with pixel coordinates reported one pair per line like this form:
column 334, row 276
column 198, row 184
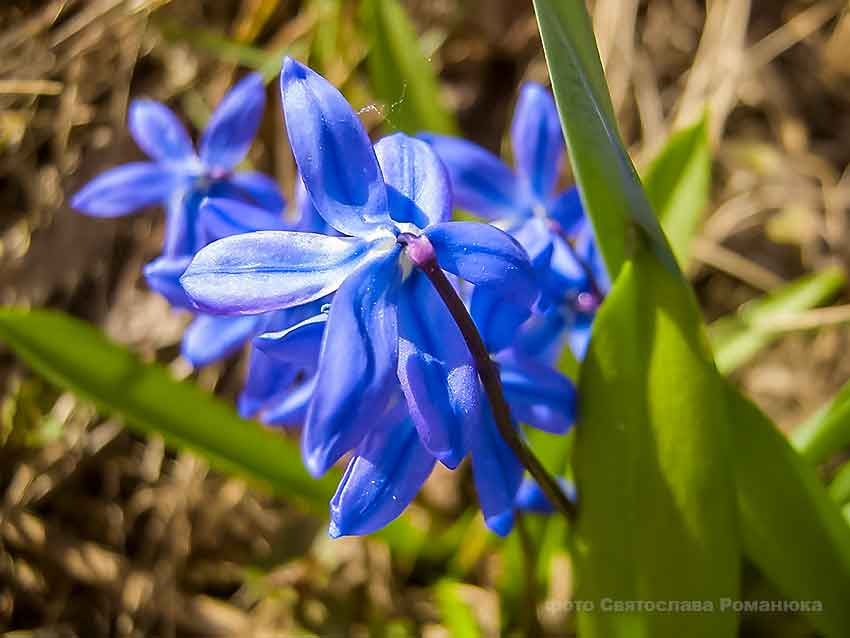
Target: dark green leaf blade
column 401, row 75
column 790, row 528
column 678, row 183
column 657, row 511
column 611, row 190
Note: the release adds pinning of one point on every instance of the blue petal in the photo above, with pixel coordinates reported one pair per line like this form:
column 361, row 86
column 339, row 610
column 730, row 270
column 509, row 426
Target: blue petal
column 308, row 218
column 225, row 217
column 536, row 239
column 542, row 335
column 270, row 270
column 588, row 251
column 357, row 366
column 291, row 408
column 481, row 182
column 382, row 478
column 159, row 133
column 299, row 344
column 254, row 188
column 498, row 319
column 436, row 372
column 537, row 141
column 181, row 228
column 333, row 153
column 497, row 474
column 210, row 338
column 124, row 189
column 163, row 276
column 530, row 498
column 578, row 335
column 484, row 255
column 568, row 211
column 417, row 183
column 234, row 124
column 538, row 395
column 265, row 381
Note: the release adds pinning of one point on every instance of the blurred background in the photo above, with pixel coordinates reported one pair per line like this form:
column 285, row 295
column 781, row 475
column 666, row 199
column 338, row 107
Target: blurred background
column 106, row 533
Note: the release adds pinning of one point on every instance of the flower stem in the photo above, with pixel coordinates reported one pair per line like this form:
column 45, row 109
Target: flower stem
column 489, row 375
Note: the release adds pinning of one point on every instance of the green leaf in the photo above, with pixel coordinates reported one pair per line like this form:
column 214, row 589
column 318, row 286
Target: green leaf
column 678, row 183
column 651, row 460
column 610, row 188
column 790, row 528
column 839, row 489
column 739, row 337
column 827, row 431
column 401, row 75
column 224, row 48
column 76, row 356
column 455, row 613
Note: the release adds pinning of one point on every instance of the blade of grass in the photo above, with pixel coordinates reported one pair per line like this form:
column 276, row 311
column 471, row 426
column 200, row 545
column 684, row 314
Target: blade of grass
column 678, row 182
column 739, row 337
column 76, row 356
column 401, row 75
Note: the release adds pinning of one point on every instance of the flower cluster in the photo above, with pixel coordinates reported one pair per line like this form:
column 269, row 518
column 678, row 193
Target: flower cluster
column 351, row 338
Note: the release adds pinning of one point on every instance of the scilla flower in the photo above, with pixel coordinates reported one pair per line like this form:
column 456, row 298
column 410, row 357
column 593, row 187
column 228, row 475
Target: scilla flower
column 388, row 468
column 178, row 177
column 390, row 205
column 551, row 226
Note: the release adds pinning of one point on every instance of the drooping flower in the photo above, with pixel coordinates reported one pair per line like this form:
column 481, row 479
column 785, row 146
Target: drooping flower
column 178, row 177
column 388, row 333
column 390, row 464
column 394, row 457
column 550, row 225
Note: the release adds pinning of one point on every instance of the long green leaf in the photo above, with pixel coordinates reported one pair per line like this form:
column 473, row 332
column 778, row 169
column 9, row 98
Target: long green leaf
column 610, row 188
column 401, row 75
column 827, row 431
column 657, row 518
column 790, row 528
column 678, row 183
column 76, row 356
column 225, row 48
column 739, row 337
column 455, row 612
column 839, row 489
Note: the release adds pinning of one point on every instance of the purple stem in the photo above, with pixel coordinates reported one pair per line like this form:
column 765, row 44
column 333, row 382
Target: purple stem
column 422, row 254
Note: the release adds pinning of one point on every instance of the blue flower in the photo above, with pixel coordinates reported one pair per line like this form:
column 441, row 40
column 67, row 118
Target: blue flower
column 179, row 178
column 212, row 337
column 388, row 466
column 388, row 334
column 392, row 454
column 550, row 225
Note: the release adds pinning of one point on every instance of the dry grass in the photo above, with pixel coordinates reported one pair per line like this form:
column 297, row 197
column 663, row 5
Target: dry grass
column 105, row 534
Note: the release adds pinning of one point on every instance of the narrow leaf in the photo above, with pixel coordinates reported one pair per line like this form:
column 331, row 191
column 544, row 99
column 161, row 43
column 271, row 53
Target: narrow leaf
column 790, row 529
column 456, row 614
column 611, row 190
column 224, row 48
column 839, row 489
column 827, row 431
column 739, row 337
column 76, row 356
column 651, row 460
column 401, row 75
column 678, row 183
